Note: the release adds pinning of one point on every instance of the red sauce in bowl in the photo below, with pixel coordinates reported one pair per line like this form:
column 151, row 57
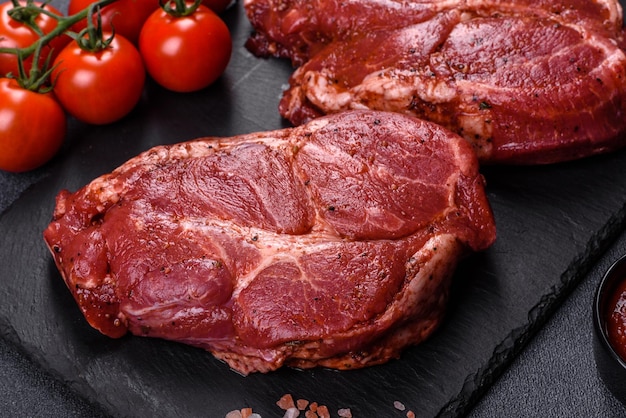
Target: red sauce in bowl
column 616, row 321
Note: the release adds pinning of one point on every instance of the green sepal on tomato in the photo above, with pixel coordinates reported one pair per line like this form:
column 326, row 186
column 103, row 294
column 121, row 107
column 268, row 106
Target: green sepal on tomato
column 102, row 86
column 127, row 16
column 15, row 34
column 33, row 127
column 185, row 53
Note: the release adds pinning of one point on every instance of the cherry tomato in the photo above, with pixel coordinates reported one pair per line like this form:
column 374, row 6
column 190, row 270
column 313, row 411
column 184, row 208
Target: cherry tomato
column 127, row 16
column 14, row 34
column 187, row 53
column 32, row 129
column 99, row 87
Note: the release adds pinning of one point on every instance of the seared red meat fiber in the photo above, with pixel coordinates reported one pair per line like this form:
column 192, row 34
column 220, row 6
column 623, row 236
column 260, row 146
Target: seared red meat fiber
column 524, row 81
column 330, row 244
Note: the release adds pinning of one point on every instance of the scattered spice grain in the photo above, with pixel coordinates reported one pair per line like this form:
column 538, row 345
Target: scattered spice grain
column 292, row 413
column 286, row 402
column 399, row 406
column 302, row 404
column 344, row 413
column 322, row 411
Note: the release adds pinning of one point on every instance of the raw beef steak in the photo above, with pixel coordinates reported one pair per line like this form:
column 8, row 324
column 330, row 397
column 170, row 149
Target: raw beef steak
column 525, row 82
column 330, row 244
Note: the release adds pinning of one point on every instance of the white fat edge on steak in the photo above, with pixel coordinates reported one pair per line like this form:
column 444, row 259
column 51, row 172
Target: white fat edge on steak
column 323, row 93
column 615, row 57
column 395, row 93
column 111, row 187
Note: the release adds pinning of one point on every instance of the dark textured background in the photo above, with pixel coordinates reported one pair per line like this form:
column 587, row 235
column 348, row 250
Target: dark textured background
column 553, row 376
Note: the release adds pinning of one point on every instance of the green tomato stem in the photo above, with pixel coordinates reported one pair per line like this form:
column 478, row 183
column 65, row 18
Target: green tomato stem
column 27, row 15
column 92, row 38
column 64, row 23
column 180, row 9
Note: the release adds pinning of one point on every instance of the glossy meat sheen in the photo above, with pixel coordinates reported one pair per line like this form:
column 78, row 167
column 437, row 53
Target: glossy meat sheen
column 524, row 82
column 328, row 244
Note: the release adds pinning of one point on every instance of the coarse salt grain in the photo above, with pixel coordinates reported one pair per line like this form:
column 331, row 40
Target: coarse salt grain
column 292, row 413
column 399, row 406
column 410, row 414
column 322, row 411
column 234, row 414
column 344, row 413
column 292, row 409
column 286, row 402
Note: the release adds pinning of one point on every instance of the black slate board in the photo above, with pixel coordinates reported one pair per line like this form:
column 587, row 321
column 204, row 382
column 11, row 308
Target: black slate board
column 553, row 224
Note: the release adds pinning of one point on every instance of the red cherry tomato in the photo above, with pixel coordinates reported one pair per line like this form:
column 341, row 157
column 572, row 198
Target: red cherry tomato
column 99, row 87
column 127, row 16
column 186, row 53
column 14, row 34
column 33, row 127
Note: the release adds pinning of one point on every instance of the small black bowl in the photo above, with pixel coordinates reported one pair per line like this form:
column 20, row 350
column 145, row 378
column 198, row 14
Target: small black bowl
column 611, row 367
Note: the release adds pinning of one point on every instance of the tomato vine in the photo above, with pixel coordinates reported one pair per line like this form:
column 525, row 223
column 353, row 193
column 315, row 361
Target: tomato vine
column 179, row 8
column 36, row 77
column 98, row 78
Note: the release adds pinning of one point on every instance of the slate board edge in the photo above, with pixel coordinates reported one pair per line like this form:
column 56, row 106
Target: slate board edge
column 9, row 335
column 476, row 385
column 10, row 338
